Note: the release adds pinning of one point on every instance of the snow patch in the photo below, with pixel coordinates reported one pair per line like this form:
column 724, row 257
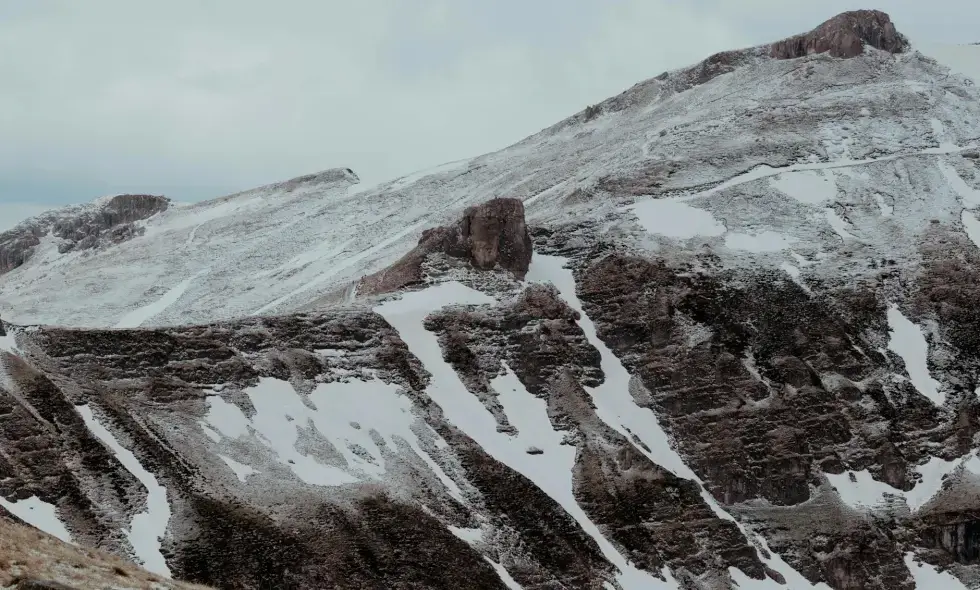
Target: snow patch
column 150, row 526
column 505, row 577
column 339, row 409
column 838, row 224
column 858, row 489
column 241, row 470
column 969, row 195
column 972, row 226
column 886, row 209
column 863, row 491
column 39, row 514
column 675, row 219
column 767, row 241
column 812, row 187
column 909, row 342
column 926, row 576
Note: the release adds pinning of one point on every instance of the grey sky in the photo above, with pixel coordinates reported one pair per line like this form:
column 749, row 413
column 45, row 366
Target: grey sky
column 197, row 98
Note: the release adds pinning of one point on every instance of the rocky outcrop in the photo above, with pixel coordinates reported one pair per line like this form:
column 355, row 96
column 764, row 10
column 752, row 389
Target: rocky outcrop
column 111, row 223
column 491, row 235
column 845, row 36
column 106, row 222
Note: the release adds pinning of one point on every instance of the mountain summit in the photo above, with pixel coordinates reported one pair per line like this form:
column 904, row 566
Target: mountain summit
column 718, row 331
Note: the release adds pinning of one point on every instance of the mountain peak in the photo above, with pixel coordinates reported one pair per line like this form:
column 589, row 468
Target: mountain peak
column 844, row 36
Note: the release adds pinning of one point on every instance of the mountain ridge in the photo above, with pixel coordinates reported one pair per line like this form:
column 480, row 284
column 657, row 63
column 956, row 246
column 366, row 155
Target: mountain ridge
column 743, row 354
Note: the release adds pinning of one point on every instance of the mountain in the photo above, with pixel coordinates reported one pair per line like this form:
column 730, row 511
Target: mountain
column 718, row 331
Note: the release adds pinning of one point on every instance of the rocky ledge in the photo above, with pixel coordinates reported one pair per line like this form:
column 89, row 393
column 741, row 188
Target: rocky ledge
column 104, row 222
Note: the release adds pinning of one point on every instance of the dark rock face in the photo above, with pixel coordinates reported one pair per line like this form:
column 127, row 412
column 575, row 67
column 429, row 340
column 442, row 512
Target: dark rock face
column 491, row 235
column 299, row 539
column 659, row 519
column 49, row 453
column 81, row 229
column 495, row 234
column 845, row 36
column 764, row 387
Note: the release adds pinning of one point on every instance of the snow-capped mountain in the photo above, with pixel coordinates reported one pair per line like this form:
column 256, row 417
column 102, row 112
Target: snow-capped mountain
column 743, row 352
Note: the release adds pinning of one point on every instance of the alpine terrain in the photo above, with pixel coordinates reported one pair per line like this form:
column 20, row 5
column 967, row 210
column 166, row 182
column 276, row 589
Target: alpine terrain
column 718, row 331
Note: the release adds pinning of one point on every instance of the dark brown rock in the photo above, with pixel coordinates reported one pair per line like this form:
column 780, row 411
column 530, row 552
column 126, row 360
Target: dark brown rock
column 844, row 36
column 491, row 235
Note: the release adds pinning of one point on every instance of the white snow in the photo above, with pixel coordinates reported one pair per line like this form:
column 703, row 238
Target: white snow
column 471, row 536
column 886, row 209
column 150, row 526
column 139, row 316
column 505, row 577
column 346, row 413
column 38, row 514
column 813, row 187
column 7, row 343
column 225, row 417
column 242, row 471
column 927, row 577
column 837, row 223
column 972, row 226
column 908, row 341
column 675, row 219
column 867, row 492
column 345, row 263
column 969, row 195
column 766, row 241
column 551, row 471
column 864, row 492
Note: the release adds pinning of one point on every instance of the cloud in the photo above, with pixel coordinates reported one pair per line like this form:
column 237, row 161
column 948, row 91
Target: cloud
column 195, row 99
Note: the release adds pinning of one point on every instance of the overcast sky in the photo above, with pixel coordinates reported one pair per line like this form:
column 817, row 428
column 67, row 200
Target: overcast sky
column 198, row 98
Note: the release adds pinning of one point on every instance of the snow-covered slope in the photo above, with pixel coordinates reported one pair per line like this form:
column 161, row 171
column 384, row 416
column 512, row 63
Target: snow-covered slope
column 840, row 124
column 744, row 352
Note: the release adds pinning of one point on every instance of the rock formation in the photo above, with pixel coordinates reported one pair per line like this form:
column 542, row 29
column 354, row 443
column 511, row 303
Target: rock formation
column 491, row 235
column 105, row 222
column 845, row 36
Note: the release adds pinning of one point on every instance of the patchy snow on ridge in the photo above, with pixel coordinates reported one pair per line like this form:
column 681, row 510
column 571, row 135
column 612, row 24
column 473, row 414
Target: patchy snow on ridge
column 909, row 342
column 364, row 421
column 150, row 526
column 864, row 492
column 616, row 407
column 39, row 514
column 551, row 471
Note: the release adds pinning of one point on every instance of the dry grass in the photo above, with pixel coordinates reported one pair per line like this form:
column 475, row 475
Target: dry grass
column 28, row 553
